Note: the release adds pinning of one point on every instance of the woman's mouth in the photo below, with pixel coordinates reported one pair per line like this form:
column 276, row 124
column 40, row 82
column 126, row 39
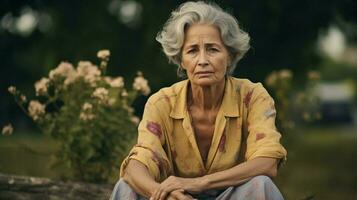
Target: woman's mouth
column 205, row 73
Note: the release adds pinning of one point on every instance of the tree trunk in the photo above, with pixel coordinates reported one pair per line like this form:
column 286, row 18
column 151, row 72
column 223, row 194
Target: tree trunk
column 31, row 188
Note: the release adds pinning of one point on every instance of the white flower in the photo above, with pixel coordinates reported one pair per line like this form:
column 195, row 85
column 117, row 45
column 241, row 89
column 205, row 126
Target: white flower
column 36, row 109
column 141, row 84
column 87, row 106
column 89, row 72
column 101, row 93
column 12, row 90
column 64, row 69
column 313, row 75
column 111, row 101
column 23, row 98
column 135, row 120
column 7, row 130
column 103, row 54
column 41, row 86
column 271, row 79
column 71, row 77
column 117, row 82
column 285, row 74
column 86, row 116
column 124, row 93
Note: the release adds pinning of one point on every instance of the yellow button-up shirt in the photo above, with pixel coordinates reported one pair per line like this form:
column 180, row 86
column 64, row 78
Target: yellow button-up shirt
column 244, row 129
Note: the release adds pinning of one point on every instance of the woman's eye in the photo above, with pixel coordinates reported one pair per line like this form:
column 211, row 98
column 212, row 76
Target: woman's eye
column 191, row 51
column 212, row 49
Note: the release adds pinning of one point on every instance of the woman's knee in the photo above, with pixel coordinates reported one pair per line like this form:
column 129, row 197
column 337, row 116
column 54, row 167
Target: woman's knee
column 262, row 180
column 122, row 183
column 122, row 190
column 264, row 188
column 259, row 187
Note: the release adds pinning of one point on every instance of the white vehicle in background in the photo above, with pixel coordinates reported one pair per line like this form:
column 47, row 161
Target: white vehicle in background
column 336, row 100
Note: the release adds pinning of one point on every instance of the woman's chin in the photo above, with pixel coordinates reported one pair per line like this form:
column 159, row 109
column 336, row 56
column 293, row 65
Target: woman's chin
column 205, row 82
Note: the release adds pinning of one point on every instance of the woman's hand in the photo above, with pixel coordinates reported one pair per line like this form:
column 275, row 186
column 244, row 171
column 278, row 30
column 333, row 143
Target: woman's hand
column 173, row 183
column 179, row 195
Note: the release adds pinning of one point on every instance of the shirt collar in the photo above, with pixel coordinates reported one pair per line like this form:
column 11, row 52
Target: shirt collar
column 229, row 103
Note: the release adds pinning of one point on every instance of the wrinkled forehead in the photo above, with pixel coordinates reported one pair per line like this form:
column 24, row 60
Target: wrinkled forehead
column 202, row 33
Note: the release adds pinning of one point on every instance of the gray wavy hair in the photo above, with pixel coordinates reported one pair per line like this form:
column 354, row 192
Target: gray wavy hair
column 172, row 35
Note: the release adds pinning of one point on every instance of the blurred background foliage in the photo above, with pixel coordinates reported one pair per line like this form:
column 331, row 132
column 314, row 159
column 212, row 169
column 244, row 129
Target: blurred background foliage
column 37, row 35
column 285, row 34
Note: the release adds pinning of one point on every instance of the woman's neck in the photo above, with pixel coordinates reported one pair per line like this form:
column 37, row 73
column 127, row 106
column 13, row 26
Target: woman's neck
column 207, row 98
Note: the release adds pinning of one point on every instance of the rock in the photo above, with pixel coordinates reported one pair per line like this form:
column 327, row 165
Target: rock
column 31, row 188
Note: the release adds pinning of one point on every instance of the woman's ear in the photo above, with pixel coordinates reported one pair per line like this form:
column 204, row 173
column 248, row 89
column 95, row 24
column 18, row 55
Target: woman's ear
column 229, row 65
column 229, row 61
column 182, row 66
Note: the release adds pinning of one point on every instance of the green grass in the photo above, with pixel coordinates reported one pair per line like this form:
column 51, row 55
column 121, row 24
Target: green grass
column 27, row 154
column 321, row 161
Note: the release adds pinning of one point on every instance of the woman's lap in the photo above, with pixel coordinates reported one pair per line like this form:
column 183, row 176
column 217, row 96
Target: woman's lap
column 259, row 187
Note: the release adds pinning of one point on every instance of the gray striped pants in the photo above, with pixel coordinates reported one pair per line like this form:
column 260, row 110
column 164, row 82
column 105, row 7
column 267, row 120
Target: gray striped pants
column 258, row 188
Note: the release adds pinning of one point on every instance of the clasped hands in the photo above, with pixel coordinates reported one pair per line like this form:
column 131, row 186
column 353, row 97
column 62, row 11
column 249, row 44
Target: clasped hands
column 177, row 188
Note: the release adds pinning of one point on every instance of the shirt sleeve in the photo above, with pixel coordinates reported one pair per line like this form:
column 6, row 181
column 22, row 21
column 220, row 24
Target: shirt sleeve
column 263, row 139
column 149, row 148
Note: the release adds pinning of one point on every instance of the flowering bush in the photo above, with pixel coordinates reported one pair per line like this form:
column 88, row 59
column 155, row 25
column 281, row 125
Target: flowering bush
column 88, row 113
column 304, row 101
column 7, row 130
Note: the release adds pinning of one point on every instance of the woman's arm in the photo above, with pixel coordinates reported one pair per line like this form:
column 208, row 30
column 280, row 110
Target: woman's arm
column 138, row 177
column 240, row 173
column 223, row 179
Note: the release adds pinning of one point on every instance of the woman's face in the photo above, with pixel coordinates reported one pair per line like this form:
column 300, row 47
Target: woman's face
column 204, row 56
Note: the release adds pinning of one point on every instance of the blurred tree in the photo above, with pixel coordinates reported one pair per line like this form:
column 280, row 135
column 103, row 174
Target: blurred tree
column 283, row 35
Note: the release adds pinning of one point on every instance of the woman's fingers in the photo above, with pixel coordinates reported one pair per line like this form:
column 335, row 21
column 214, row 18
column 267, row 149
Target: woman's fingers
column 179, row 194
column 169, row 189
column 171, row 198
column 173, row 195
column 155, row 195
column 171, row 184
column 190, row 196
column 163, row 194
column 158, row 192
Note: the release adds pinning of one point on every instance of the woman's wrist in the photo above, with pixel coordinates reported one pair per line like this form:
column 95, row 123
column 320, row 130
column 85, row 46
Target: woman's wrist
column 204, row 182
column 152, row 188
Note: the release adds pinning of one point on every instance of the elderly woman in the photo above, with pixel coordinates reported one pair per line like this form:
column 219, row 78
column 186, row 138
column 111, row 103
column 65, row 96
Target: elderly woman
column 211, row 136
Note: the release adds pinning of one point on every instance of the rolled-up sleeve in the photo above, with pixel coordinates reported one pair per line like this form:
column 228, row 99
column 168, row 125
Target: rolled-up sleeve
column 263, row 138
column 149, row 148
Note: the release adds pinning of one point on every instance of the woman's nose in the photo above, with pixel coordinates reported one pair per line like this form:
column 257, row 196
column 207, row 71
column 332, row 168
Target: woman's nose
column 202, row 60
